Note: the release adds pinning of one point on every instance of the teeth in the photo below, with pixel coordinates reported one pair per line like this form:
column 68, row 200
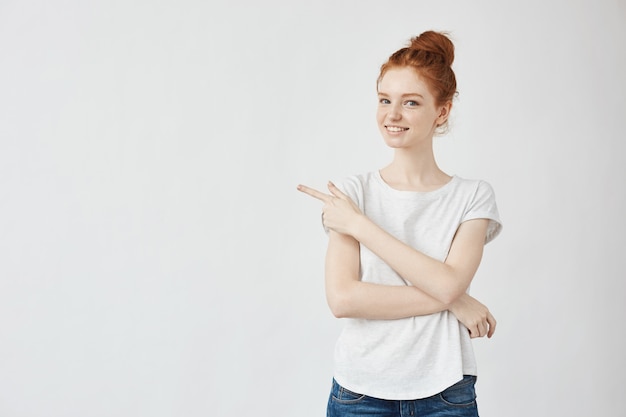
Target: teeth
column 396, row 128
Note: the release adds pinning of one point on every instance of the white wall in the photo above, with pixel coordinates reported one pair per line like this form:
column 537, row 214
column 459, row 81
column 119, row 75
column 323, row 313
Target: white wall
column 156, row 259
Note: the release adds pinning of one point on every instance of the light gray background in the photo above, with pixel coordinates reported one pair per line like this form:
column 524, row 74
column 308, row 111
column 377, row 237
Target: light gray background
column 156, row 259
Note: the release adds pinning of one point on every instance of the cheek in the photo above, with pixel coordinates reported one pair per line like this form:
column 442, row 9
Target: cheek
column 380, row 116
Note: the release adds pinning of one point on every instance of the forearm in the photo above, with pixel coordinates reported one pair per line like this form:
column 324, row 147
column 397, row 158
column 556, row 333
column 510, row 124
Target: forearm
column 437, row 285
column 348, row 296
column 441, row 280
column 382, row 302
column 357, row 299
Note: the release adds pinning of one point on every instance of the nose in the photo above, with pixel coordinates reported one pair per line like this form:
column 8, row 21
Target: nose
column 395, row 112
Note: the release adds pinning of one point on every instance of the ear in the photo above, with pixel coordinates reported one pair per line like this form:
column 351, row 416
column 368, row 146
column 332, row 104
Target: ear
column 444, row 113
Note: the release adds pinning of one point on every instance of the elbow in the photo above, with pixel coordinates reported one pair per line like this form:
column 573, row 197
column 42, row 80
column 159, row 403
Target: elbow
column 338, row 307
column 339, row 313
column 339, row 302
column 455, row 286
column 450, row 295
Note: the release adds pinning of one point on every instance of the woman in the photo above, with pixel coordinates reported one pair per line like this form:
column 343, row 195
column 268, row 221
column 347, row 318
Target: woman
column 404, row 245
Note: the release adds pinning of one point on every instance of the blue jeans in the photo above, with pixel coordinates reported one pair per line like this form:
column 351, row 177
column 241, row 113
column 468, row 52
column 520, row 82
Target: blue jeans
column 459, row 400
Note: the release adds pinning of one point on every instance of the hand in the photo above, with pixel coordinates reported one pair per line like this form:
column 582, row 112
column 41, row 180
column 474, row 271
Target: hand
column 339, row 213
column 474, row 315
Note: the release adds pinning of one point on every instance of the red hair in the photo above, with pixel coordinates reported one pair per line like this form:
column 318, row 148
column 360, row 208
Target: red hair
column 431, row 55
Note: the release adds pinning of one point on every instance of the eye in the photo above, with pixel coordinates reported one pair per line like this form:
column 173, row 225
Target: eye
column 384, row 101
column 411, row 103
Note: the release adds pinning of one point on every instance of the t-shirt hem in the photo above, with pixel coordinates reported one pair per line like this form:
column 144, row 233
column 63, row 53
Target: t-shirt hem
column 406, row 395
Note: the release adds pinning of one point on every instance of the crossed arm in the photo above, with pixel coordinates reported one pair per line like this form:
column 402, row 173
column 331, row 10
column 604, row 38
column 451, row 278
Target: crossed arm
column 437, row 286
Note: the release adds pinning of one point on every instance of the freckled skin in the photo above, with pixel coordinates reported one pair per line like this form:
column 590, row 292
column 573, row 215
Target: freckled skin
column 405, row 101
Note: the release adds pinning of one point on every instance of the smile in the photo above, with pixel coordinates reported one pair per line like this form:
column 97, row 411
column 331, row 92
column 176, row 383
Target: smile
column 396, row 128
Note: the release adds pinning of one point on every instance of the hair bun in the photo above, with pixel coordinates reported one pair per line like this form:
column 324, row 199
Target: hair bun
column 431, row 55
column 434, row 43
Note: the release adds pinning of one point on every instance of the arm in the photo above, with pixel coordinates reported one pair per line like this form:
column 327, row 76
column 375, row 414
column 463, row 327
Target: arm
column 445, row 281
column 348, row 296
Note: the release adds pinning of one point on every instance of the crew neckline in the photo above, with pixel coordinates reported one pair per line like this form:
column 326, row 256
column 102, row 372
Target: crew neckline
column 415, row 194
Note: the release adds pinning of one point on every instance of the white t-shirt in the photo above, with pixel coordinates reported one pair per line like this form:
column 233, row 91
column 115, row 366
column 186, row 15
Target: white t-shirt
column 420, row 356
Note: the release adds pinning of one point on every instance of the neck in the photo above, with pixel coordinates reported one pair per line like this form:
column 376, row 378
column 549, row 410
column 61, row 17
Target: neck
column 414, row 170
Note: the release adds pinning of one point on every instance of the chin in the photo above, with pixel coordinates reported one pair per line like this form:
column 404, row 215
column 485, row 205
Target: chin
column 394, row 143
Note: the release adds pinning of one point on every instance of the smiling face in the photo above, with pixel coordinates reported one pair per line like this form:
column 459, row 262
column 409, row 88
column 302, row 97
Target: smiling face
column 407, row 113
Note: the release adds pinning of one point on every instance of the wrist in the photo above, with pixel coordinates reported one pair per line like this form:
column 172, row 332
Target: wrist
column 457, row 304
column 356, row 229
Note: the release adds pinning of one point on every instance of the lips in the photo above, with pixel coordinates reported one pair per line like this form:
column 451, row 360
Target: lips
column 396, row 129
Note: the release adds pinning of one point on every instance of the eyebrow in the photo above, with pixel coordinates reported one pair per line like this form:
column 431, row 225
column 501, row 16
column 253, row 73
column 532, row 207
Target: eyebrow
column 380, row 93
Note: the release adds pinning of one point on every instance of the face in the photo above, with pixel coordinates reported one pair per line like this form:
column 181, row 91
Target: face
column 407, row 114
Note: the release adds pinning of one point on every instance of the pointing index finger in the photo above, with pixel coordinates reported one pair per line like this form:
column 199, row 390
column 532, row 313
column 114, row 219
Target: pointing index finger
column 314, row 193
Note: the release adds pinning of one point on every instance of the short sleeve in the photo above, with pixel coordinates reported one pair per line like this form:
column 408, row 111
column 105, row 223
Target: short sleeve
column 483, row 206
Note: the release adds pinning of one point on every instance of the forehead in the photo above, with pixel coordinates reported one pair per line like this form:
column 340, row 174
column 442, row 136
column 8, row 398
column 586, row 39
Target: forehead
column 402, row 80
